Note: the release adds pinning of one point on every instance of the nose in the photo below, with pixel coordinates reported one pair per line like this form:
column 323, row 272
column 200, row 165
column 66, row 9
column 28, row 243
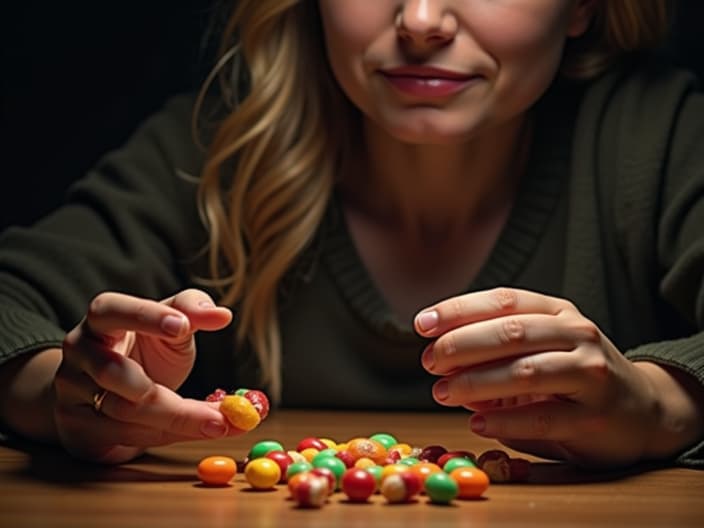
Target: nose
column 423, row 24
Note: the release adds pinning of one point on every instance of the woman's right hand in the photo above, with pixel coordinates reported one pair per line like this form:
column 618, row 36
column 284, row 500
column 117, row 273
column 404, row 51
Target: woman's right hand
column 139, row 352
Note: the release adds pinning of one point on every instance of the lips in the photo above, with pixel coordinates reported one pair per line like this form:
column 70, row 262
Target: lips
column 427, row 82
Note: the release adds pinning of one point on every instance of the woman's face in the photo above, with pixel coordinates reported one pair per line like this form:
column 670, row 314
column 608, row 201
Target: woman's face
column 443, row 71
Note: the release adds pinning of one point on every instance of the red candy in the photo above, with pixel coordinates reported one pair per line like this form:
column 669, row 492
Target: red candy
column 358, row 484
column 260, row 402
column 311, row 441
column 216, row 396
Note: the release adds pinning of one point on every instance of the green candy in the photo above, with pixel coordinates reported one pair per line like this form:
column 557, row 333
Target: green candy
column 454, row 463
column 384, row 439
column 261, row 449
column 376, row 472
column 330, row 452
column 441, row 488
column 298, row 467
column 333, row 463
column 409, row 461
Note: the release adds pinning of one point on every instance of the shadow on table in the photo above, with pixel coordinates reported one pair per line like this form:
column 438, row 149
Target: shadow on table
column 554, row 473
column 54, row 466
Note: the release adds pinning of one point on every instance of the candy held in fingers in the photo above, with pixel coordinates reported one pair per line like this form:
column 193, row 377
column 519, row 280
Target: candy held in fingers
column 244, row 409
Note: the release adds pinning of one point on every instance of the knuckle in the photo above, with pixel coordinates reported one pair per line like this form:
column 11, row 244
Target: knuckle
column 586, row 331
column 597, row 366
column 525, row 373
column 510, row 331
column 504, row 299
column 445, row 346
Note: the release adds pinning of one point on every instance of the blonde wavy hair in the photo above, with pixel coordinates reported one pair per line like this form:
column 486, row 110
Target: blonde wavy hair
column 271, row 162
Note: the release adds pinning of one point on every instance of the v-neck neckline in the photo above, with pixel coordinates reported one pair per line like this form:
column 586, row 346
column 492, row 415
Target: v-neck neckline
column 537, row 196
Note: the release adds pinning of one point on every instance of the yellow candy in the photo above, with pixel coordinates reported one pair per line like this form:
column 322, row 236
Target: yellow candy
column 240, row 412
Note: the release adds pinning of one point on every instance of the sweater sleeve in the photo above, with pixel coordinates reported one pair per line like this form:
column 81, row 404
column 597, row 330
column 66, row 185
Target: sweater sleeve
column 130, row 225
column 679, row 236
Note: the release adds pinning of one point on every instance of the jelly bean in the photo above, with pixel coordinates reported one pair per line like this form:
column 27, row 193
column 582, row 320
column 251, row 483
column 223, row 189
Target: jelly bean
column 347, row 458
column 216, row 396
column 328, row 474
column 311, row 441
column 334, row 464
column 364, row 463
column 384, row 439
column 442, row 459
column 311, row 492
column 365, row 447
column 262, row 473
column 455, row 463
column 400, row 487
column 404, row 450
column 431, row 453
column 298, row 467
column 324, row 453
column 217, row 470
column 423, row 469
column 495, row 463
column 409, row 461
column 441, row 488
column 376, row 473
column 258, row 399
column 358, row 484
column 296, row 456
column 260, row 449
column 283, row 459
column 471, row 481
column 240, row 412
column 309, row 453
column 391, row 469
column 330, row 443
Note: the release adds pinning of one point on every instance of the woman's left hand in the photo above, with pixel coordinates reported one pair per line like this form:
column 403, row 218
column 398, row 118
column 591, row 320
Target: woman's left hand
column 540, row 376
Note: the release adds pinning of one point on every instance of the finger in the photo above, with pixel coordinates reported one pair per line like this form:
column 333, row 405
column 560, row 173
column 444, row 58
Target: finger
column 547, row 373
column 483, row 305
column 505, row 337
column 110, row 370
column 200, row 309
column 556, row 421
column 110, row 314
column 87, row 430
column 167, row 411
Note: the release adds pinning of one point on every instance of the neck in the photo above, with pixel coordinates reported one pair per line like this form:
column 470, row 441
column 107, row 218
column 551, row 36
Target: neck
column 432, row 194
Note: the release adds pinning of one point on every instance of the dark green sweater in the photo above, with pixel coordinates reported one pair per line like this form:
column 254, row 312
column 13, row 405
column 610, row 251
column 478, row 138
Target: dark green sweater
column 609, row 215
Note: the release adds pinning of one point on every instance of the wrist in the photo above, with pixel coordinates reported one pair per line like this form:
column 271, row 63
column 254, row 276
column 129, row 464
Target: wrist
column 26, row 394
column 679, row 412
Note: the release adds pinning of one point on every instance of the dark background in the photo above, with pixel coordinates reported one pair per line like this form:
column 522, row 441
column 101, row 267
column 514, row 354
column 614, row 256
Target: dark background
column 78, row 77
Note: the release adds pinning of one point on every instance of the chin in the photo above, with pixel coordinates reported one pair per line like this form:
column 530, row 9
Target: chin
column 429, row 136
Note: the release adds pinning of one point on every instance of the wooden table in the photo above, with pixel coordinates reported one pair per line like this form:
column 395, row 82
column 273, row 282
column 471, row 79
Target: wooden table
column 42, row 487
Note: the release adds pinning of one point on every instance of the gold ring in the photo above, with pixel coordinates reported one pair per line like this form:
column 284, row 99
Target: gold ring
column 98, row 398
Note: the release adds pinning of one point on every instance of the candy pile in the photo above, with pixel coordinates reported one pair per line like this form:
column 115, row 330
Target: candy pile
column 362, row 466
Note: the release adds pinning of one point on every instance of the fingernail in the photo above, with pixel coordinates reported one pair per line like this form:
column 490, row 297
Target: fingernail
column 214, row 429
column 441, row 390
column 427, row 321
column 173, row 324
column 428, row 358
column 206, row 304
column 477, row 423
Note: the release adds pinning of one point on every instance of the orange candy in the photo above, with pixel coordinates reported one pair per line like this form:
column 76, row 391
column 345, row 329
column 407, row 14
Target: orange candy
column 423, row 469
column 366, row 447
column 217, row 470
column 240, row 412
column 472, row 482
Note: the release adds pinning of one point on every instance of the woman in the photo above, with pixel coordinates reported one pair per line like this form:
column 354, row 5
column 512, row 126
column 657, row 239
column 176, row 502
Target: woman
column 500, row 188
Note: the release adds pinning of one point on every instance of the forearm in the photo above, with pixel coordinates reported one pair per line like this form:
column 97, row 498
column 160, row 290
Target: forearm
column 26, row 394
column 681, row 410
